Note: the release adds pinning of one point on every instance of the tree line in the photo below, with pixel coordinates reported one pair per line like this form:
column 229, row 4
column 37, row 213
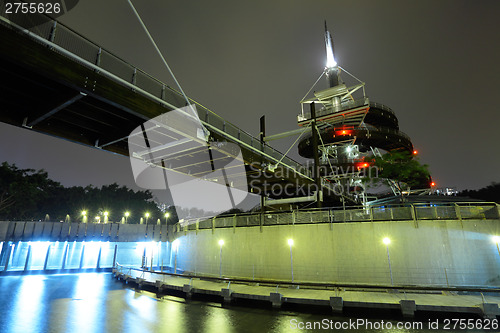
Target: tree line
column 29, row 195
column 488, row 193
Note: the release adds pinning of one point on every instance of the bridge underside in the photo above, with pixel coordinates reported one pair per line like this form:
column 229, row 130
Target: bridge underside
column 49, row 87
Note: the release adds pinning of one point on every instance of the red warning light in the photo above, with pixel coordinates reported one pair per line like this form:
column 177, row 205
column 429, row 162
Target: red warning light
column 343, row 132
column 433, row 184
column 415, row 152
column 363, row 165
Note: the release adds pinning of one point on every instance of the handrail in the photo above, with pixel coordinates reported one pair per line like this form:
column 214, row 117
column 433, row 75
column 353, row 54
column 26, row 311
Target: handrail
column 159, row 91
column 350, row 210
column 347, row 106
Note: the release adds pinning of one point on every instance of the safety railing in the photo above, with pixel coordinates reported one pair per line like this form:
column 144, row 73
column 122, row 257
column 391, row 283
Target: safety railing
column 56, row 33
column 344, row 107
column 448, row 211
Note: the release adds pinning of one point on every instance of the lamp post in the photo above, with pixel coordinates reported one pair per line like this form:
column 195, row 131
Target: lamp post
column 127, row 214
column 147, row 215
column 167, row 215
column 106, row 214
column 290, row 242
column 221, row 242
column 84, row 216
column 387, row 241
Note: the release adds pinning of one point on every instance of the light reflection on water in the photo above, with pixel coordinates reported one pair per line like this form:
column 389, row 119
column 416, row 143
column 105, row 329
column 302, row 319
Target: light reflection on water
column 95, row 302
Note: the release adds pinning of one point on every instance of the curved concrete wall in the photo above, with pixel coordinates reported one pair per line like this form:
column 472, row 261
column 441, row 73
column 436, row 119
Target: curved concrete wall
column 424, row 252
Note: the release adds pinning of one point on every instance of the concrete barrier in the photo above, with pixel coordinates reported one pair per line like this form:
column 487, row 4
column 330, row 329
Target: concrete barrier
column 437, row 252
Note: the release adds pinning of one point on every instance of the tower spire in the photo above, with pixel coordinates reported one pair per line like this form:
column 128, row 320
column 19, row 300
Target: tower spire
column 330, row 56
column 332, row 71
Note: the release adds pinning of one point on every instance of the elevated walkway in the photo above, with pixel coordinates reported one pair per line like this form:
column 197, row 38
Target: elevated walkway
column 57, row 82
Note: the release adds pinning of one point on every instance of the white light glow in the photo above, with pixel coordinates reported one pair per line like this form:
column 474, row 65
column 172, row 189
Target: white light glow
column 290, row 242
column 330, row 58
column 175, row 245
column 386, row 241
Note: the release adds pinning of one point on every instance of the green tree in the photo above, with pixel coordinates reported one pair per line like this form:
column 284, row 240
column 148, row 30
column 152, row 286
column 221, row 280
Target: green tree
column 27, row 194
column 403, row 169
column 488, row 193
column 23, row 191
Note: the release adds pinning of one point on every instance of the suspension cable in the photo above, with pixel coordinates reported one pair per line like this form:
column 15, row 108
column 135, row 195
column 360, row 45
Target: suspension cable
column 293, row 144
column 158, row 51
column 323, row 73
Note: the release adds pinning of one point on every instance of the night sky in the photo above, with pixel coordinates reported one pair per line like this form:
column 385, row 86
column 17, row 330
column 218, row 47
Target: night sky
column 435, row 63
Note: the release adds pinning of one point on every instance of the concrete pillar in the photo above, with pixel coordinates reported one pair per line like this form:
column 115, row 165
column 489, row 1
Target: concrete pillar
column 226, row 294
column 337, row 304
column 65, row 256
column 27, row 262
column 490, row 310
column 114, row 255
column 47, row 255
column 98, row 266
column 408, row 308
column 82, row 256
column 276, row 300
column 159, row 288
column 188, row 289
column 139, row 281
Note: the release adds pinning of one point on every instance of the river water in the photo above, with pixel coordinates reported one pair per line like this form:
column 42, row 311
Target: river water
column 95, row 302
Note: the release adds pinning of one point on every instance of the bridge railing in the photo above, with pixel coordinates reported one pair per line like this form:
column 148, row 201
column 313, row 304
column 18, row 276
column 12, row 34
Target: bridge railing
column 65, row 231
column 415, row 212
column 56, row 33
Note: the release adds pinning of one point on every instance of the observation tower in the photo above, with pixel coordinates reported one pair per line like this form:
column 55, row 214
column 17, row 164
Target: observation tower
column 346, row 130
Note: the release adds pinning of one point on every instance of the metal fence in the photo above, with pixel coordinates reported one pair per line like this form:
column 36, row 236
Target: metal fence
column 452, row 211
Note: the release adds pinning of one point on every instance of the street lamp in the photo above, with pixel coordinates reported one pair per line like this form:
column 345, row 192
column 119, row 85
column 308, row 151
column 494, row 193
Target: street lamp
column 106, row 217
column 290, row 242
column 127, row 214
column 84, row 216
column 147, row 215
column 387, row 241
column 167, row 215
column 221, row 242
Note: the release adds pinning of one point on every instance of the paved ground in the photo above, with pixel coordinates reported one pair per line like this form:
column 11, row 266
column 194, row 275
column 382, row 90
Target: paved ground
column 485, row 306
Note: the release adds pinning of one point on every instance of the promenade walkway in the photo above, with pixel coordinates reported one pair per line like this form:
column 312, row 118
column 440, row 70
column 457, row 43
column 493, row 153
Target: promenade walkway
column 471, row 301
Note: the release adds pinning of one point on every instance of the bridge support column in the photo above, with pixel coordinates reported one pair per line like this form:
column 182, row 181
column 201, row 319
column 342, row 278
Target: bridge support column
column 226, row 294
column 8, row 246
column 337, row 304
column 262, row 143
column 317, row 176
column 47, row 255
column 65, row 256
column 114, row 255
column 27, row 262
column 81, row 257
column 408, row 308
column 188, row 289
column 490, row 310
column 276, row 300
